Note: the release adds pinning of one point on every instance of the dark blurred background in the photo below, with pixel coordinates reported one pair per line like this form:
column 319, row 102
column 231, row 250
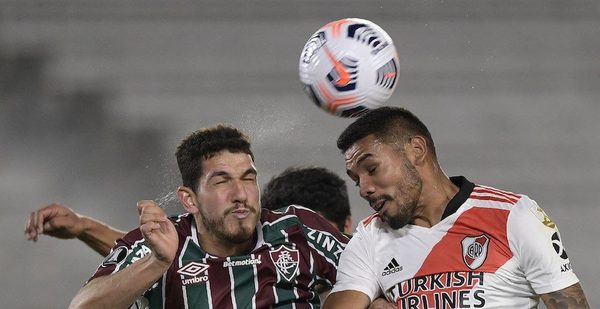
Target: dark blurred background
column 95, row 96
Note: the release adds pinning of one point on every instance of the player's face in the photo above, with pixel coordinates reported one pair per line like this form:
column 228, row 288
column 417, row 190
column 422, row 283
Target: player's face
column 386, row 178
column 228, row 196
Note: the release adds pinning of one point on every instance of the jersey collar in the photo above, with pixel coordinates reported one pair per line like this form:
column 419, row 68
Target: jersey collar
column 464, row 191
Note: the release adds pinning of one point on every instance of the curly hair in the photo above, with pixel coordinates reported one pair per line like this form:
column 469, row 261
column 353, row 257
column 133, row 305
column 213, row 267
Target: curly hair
column 204, row 144
column 316, row 188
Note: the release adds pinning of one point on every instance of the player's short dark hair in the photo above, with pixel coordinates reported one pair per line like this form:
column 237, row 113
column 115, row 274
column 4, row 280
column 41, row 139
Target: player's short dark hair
column 392, row 125
column 316, row 188
column 204, row 144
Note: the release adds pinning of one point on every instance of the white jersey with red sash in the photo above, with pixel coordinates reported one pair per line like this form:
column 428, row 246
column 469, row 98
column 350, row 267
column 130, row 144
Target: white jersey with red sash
column 492, row 249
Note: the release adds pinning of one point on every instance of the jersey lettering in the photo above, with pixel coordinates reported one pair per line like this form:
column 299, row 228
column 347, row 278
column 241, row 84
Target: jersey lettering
column 445, row 290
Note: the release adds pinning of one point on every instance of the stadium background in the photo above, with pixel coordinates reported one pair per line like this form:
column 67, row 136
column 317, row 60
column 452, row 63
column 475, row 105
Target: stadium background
column 95, row 96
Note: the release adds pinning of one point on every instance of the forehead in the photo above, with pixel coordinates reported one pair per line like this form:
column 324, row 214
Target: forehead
column 228, row 162
column 368, row 145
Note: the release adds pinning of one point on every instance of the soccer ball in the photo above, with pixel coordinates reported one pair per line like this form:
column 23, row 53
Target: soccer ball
column 349, row 66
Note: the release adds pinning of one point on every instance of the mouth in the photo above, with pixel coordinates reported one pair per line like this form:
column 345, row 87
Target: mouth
column 241, row 213
column 378, row 205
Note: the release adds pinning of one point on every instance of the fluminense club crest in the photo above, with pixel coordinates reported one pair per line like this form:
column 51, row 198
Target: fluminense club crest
column 475, row 249
column 286, row 261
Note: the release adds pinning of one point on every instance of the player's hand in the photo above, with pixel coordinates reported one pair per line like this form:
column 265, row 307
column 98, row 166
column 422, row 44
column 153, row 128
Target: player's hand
column 158, row 231
column 55, row 220
column 381, row 303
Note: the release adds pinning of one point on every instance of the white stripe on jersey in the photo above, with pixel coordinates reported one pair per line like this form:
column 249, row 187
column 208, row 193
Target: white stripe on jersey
column 180, row 264
column 254, row 269
column 232, row 285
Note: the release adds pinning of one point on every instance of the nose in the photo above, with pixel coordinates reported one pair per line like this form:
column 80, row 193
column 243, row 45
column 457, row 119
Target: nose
column 366, row 188
column 239, row 194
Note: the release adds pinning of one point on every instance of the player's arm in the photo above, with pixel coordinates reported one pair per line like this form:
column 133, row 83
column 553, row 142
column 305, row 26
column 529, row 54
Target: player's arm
column 347, row 299
column 61, row 222
column 356, row 284
column 382, row 303
column 99, row 236
column 568, row 298
column 121, row 289
column 323, row 295
column 535, row 240
column 355, row 299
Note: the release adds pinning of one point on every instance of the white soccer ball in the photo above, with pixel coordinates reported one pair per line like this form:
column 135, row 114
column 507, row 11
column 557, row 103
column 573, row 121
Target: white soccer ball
column 349, row 66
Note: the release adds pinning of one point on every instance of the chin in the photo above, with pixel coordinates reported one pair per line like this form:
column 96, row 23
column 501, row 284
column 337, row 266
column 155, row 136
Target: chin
column 241, row 232
column 241, row 236
column 396, row 222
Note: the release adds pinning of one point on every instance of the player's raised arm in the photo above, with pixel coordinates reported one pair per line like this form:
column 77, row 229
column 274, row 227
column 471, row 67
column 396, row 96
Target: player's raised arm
column 61, row 222
column 121, row 289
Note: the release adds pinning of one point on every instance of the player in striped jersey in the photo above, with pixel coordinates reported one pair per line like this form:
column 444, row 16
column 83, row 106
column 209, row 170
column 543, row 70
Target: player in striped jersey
column 316, row 188
column 225, row 252
column 439, row 242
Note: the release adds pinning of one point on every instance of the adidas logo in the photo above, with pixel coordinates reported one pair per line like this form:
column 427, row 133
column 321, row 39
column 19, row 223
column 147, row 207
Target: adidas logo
column 392, row 267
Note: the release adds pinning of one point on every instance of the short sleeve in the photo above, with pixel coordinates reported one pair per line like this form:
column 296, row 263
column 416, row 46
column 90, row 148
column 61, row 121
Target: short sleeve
column 537, row 244
column 126, row 251
column 355, row 270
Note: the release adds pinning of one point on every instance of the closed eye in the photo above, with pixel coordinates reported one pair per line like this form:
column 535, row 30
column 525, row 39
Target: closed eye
column 250, row 175
column 221, row 181
column 372, row 170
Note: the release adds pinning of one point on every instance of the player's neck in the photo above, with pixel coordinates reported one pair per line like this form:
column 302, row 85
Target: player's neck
column 436, row 193
column 223, row 248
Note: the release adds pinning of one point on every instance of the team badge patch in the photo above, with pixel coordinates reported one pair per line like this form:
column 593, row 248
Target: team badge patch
column 116, row 256
column 286, row 262
column 474, row 249
column 542, row 216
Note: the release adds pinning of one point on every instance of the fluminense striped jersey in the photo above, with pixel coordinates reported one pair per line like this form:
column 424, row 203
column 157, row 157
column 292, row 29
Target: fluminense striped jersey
column 492, row 249
column 295, row 257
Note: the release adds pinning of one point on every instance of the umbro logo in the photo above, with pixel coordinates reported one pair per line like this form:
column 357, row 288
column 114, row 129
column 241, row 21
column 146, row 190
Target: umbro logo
column 392, row 267
column 193, row 270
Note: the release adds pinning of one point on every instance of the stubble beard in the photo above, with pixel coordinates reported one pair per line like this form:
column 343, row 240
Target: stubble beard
column 235, row 233
column 411, row 187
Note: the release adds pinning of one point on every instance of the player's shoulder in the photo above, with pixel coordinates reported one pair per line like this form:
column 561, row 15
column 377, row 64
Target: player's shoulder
column 182, row 222
column 294, row 212
column 301, row 216
column 515, row 203
column 373, row 224
column 132, row 237
column 183, row 225
column 371, row 221
column 490, row 194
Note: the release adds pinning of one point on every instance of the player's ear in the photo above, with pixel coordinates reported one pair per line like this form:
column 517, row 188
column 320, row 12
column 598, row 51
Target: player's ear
column 187, row 197
column 418, row 150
